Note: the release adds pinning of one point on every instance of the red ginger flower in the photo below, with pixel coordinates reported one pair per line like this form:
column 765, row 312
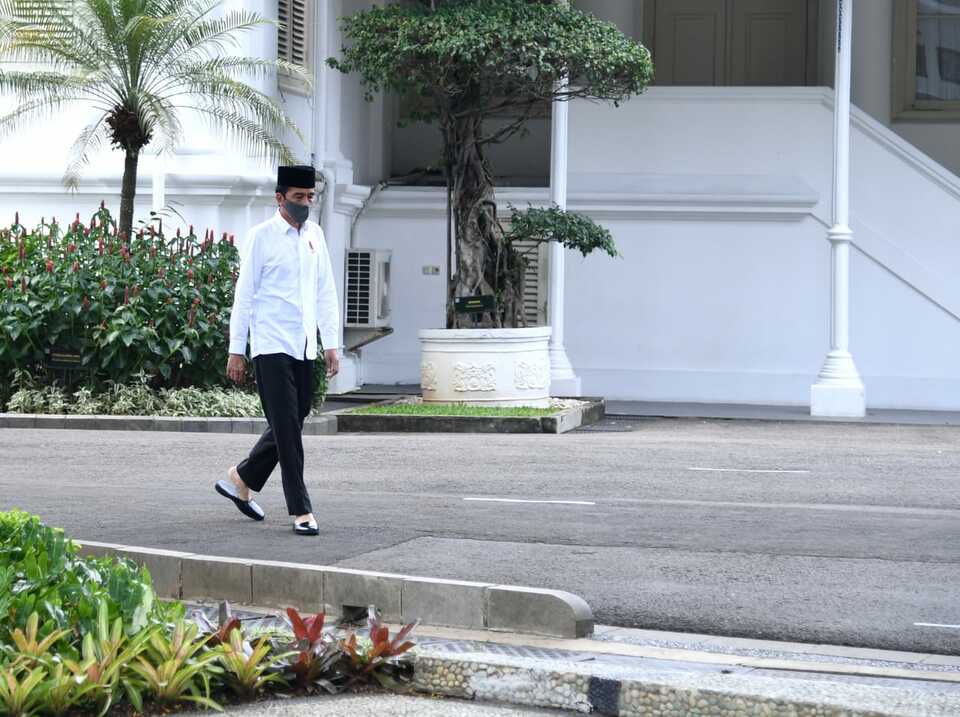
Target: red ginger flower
column 49, row 266
column 190, row 274
column 9, row 283
column 76, row 267
column 71, row 247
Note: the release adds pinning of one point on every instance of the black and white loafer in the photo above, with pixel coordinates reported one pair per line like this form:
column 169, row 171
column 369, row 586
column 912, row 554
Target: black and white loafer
column 248, row 507
column 306, row 527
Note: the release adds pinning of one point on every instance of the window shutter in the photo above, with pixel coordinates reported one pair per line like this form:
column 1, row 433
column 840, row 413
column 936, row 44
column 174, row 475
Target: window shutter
column 292, row 35
column 534, row 281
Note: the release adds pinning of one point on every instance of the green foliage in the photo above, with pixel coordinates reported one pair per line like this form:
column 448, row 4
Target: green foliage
column 249, row 669
column 154, row 304
column 41, row 572
column 453, row 409
column 484, row 56
column 463, row 61
column 134, row 65
column 574, row 231
column 133, row 654
column 138, row 400
column 177, row 668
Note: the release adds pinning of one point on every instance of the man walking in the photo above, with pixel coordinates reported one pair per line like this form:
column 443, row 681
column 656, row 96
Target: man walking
column 285, row 293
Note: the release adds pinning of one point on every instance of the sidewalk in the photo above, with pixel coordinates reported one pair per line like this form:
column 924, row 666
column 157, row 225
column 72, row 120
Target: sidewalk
column 623, row 671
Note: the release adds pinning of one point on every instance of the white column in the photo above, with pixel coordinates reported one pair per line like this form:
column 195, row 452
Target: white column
column 838, row 390
column 563, row 380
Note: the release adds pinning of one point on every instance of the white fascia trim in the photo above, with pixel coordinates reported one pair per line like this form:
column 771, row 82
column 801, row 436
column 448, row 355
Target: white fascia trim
column 427, row 202
column 214, row 186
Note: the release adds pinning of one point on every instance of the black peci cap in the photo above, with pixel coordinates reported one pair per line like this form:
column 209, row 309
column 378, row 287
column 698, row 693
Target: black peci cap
column 299, row 175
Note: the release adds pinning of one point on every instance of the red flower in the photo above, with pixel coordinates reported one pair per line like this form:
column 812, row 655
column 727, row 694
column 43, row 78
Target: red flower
column 93, row 223
column 76, row 267
column 103, row 204
column 153, row 252
column 100, row 246
column 49, row 266
column 71, row 247
column 191, row 229
column 9, row 283
column 16, row 217
column 190, row 274
column 231, row 240
column 178, row 232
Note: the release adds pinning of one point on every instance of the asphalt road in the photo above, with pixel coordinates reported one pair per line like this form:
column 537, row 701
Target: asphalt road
column 841, row 534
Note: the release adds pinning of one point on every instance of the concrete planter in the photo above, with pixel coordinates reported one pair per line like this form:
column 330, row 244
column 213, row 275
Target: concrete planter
column 486, row 367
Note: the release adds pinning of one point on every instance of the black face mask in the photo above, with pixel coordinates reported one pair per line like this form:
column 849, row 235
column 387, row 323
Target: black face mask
column 298, row 212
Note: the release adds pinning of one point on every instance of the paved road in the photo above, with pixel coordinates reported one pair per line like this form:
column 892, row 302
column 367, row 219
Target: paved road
column 672, row 524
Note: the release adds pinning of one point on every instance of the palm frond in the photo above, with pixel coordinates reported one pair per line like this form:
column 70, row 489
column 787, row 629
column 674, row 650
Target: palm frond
column 89, row 140
column 44, row 108
column 241, row 99
column 248, row 134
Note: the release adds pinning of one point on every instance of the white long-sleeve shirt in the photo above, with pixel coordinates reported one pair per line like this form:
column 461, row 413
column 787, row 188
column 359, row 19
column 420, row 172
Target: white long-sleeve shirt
column 285, row 292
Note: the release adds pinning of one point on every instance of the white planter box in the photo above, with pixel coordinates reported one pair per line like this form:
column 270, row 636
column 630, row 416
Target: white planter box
column 489, row 367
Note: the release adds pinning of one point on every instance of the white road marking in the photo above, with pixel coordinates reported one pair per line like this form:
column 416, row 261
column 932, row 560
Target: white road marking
column 743, row 470
column 518, row 500
column 933, row 624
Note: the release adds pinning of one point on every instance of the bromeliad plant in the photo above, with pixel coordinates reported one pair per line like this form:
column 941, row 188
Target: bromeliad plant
column 464, row 62
column 136, row 655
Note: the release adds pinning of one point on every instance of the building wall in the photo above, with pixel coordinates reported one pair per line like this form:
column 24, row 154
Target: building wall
column 722, row 293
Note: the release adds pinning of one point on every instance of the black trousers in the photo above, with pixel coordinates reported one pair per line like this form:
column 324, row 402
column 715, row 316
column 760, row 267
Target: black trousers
column 285, row 385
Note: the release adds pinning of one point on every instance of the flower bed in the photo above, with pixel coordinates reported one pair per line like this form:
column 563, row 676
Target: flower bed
column 83, row 306
column 88, row 636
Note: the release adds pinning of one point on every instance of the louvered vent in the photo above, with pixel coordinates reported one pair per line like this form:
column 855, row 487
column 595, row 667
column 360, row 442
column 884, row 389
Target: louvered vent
column 358, row 287
column 368, row 288
column 293, row 16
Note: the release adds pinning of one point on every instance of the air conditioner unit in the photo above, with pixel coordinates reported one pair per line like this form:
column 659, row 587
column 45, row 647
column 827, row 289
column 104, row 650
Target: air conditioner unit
column 367, row 288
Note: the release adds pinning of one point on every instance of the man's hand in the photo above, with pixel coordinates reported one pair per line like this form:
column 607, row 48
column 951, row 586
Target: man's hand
column 332, row 359
column 236, row 368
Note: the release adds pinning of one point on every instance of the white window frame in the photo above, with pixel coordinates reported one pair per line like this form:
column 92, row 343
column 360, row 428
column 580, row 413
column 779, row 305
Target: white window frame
column 285, row 81
column 906, row 106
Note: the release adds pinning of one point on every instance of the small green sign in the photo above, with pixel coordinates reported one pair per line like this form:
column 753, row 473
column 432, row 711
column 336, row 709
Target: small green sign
column 474, row 304
column 58, row 357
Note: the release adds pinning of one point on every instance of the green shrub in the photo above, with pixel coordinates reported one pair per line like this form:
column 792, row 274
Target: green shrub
column 147, row 303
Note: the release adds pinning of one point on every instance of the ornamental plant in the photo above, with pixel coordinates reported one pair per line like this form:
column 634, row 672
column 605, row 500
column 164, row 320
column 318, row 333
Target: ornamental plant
column 467, row 61
column 138, row 67
column 147, row 304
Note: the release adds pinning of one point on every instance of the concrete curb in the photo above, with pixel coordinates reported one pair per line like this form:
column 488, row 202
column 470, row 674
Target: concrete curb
column 562, row 422
column 400, row 598
column 324, row 424
column 580, row 687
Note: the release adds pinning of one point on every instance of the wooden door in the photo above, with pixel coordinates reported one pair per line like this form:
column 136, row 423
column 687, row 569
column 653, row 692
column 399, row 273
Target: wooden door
column 731, row 42
column 690, row 42
column 768, row 42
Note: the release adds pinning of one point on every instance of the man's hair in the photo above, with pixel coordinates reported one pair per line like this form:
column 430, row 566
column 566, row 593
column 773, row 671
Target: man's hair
column 282, row 190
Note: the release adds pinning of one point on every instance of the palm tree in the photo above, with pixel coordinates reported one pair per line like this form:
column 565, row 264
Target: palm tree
column 138, row 65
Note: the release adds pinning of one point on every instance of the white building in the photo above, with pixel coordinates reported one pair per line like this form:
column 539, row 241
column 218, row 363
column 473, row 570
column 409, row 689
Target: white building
column 717, row 185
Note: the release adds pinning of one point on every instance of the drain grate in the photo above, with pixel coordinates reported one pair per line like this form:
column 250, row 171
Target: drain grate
column 611, row 425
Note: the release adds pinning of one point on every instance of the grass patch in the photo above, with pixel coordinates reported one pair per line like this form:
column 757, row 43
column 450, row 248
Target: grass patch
column 454, row 409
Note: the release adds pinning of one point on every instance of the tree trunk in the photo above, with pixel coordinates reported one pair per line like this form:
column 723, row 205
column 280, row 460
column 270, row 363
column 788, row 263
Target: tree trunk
column 485, row 263
column 128, row 191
